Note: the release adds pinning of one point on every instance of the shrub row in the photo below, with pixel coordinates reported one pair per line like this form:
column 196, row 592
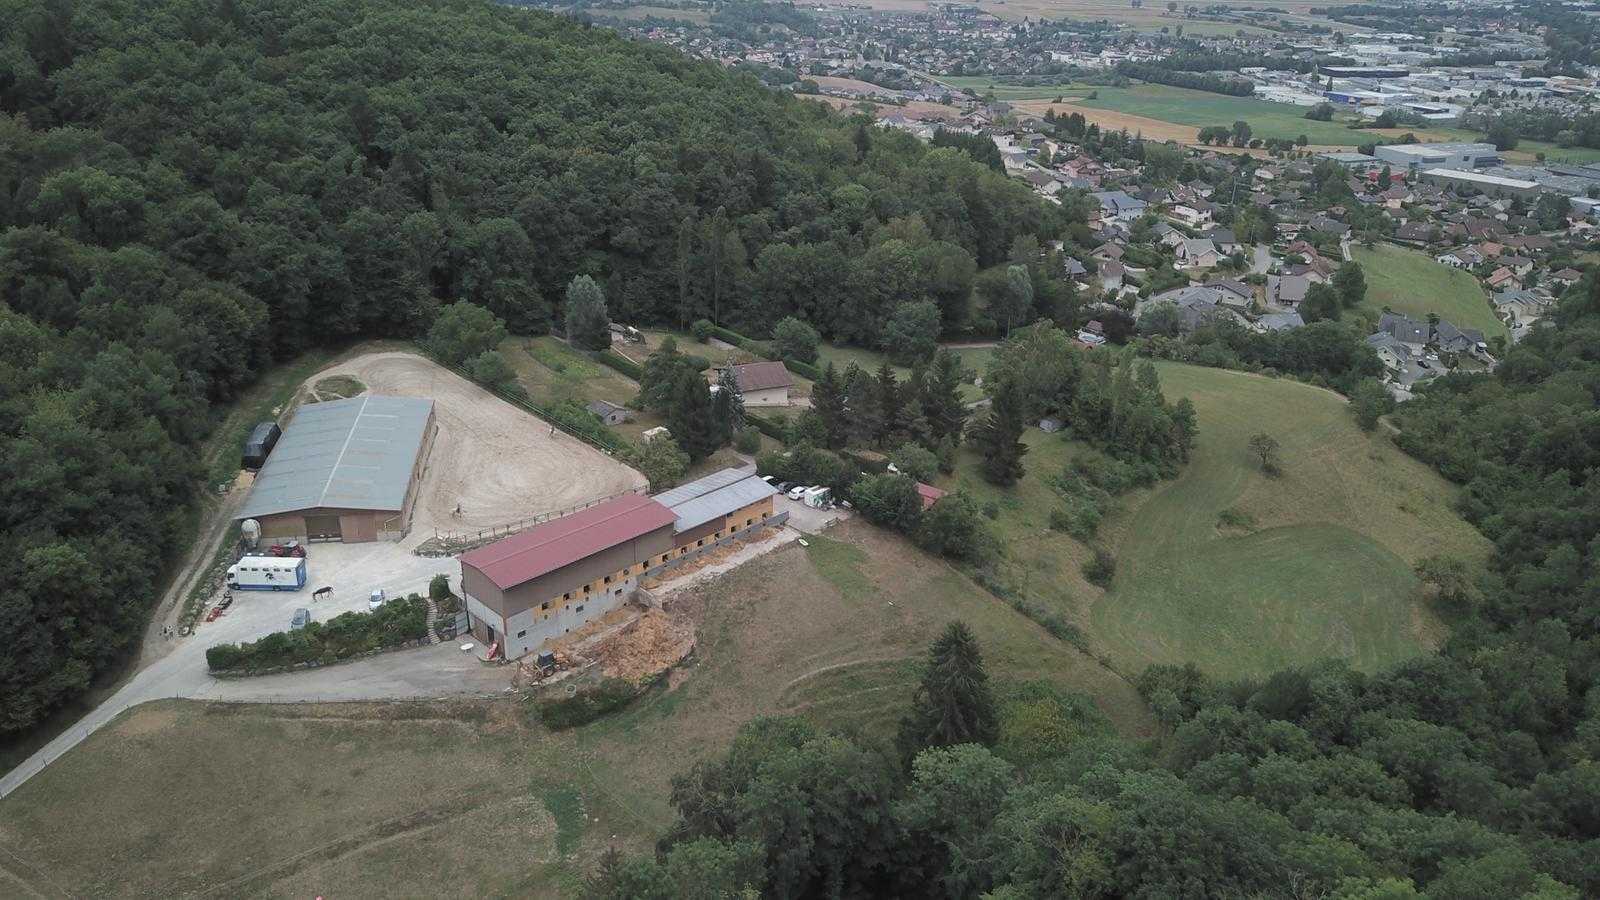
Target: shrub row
column 589, row 704
column 803, row 369
column 748, row 345
column 350, row 634
column 615, row 360
column 766, row 426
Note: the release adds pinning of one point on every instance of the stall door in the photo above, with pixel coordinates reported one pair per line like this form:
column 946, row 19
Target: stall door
column 323, row 528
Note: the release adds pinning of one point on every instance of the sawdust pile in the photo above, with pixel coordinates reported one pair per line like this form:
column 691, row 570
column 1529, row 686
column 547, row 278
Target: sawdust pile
column 709, row 558
column 651, row 644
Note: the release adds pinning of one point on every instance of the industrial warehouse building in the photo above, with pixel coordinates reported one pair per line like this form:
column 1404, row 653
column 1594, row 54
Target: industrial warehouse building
column 557, row 576
column 1413, row 157
column 345, row 470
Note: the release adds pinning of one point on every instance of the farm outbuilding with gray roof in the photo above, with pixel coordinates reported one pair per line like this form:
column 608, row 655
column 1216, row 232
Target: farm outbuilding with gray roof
column 344, row 470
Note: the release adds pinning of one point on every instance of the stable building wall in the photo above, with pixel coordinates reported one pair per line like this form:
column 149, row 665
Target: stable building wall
column 349, row 525
column 527, row 615
column 778, row 396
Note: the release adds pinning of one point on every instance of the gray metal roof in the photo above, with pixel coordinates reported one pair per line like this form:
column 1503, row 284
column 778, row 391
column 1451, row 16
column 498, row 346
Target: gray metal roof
column 702, row 486
column 343, row 454
column 718, row 494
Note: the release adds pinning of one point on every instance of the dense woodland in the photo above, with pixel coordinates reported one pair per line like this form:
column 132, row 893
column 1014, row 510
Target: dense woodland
column 190, row 191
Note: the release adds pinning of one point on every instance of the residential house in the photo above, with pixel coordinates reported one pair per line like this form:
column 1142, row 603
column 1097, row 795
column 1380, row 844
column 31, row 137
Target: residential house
column 1519, row 265
column 1194, row 214
column 1282, row 321
column 1503, row 279
column 1120, row 205
column 1328, row 226
column 1111, row 276
column 1416, row 232
column 1108, row 253
column 1449, row 338
column 1410, row 332
column 1521, row 308
column 1565, row 277
column 1287, row 290
column 1198, row 253
column 1234, row 294
column 1226, row 243
column 764, row 383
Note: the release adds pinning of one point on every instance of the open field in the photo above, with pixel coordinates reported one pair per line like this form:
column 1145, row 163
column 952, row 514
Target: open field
column 1168, row 113
column 1324, row 572
column 986, row 84
column 179, row 798
column 1201, row 108
column 1414, row 284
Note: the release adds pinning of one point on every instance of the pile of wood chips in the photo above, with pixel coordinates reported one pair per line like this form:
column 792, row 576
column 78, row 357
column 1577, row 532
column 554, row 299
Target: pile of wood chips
column 652, row 644
column 710, row 558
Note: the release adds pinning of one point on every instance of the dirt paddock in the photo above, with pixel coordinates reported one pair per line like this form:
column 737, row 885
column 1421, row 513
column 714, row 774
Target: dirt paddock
column 498, row 462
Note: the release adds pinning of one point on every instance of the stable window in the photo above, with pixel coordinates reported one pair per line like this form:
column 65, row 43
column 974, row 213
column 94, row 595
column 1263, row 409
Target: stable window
column 522, row 633
column 586, row 589
column 579, row 609
column 608, row 579
column 567, row 596
column 545, row 605
column 700, row 543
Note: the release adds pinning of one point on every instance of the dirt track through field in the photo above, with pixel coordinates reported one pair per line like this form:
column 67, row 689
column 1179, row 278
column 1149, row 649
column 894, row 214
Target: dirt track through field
column 498, row 462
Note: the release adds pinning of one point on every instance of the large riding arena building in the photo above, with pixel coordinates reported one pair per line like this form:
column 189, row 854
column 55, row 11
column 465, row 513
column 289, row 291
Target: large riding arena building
column 344, row 470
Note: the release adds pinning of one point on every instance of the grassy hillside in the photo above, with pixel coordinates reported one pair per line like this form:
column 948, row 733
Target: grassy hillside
column 1324, row 571
column 1415, row 284
column 386, row 798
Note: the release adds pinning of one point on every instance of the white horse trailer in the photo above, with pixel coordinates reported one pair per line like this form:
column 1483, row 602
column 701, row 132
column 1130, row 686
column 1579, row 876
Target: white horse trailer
column 268, row 573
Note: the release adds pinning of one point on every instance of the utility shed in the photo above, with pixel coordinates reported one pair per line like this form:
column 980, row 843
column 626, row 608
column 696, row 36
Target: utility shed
column 345, row 470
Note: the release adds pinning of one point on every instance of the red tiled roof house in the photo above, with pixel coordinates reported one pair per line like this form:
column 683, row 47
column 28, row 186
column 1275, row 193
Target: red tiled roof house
column 764, row 383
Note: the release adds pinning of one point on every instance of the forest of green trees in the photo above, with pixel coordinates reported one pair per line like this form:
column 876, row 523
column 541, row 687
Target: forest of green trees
column 190, row 191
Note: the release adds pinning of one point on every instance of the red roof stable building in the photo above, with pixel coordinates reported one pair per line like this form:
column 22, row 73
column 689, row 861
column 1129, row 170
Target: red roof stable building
column 556, row 576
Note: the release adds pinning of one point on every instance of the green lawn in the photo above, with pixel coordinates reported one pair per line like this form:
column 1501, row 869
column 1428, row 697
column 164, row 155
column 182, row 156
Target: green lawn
column 1201, row 108
column 1326, row 572
column 976, row 359
column 1414, row 284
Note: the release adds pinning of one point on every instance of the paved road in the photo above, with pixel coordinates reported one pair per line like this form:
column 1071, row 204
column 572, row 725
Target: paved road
column 353, row 570
column 441, row 670
column 1261, row 259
